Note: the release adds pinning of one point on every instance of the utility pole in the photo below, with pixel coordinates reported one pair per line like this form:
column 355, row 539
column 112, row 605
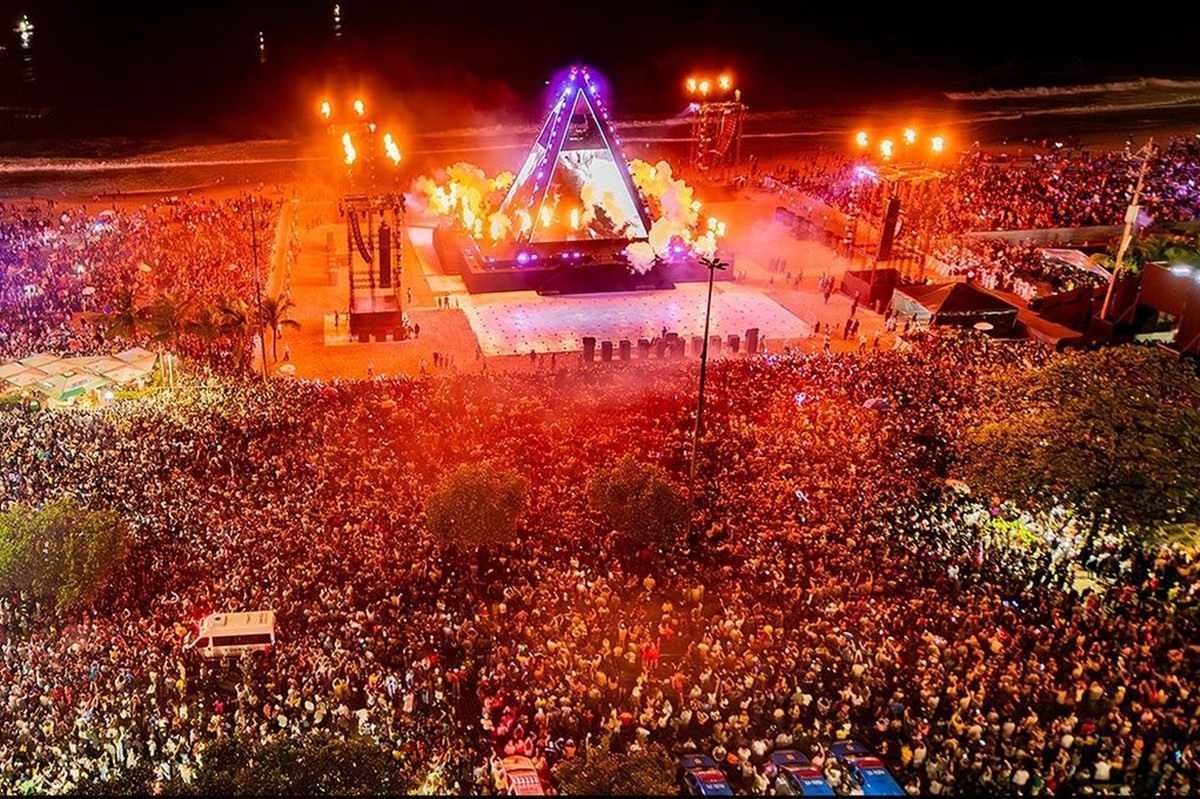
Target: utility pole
column 262, row 335
column 1127, row 234
column 713, row 264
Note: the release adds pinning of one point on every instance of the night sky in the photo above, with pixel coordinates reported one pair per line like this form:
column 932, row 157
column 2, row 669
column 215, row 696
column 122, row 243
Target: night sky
column 180, row 69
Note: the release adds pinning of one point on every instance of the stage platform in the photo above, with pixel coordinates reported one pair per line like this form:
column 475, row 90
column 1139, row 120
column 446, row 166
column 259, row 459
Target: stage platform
column 578, row 267
column 517, row 323
column 376, row 316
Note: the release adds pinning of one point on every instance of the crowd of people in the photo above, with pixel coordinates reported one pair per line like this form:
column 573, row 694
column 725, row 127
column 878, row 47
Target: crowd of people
column 985, row 190
column 1071, row 188
column 1051, row 187
column 64, row 261
column 1020, row 268
column 830, row 589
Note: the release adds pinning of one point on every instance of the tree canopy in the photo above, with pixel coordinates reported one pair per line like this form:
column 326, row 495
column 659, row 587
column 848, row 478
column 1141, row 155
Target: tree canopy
column 315, row 765
column 602, row 772
column 476, row 504
column 1113, row 434
column 640, row 501
column 62, row 553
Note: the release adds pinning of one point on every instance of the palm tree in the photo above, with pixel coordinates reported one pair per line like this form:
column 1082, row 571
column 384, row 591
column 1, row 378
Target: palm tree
column 1183, row 253
column 274, row 315
column 235, row 324
column 167, row 318
column 1149, row 249
column 206, row 325
column 235, row 317
column 124, row 318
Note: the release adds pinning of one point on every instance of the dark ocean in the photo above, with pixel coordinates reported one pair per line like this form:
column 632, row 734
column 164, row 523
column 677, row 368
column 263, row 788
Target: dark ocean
column 1101, row 114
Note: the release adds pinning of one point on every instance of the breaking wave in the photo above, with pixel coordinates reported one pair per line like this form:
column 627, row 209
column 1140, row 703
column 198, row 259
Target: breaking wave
column 1034, row 92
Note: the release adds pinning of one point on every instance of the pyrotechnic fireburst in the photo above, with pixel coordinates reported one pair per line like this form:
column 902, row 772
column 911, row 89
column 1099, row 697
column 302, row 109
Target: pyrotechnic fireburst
column 465, row 195
column 391, row 149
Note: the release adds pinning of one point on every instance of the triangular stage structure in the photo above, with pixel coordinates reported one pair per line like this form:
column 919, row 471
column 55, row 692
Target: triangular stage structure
column 576, row 147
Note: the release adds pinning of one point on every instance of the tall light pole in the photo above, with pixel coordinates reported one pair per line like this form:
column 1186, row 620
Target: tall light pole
column 262, row 334
column 712, row 263
column 1127, row 234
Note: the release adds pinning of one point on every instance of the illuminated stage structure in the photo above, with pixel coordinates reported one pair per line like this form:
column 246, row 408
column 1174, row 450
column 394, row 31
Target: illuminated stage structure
column 374, row 236
column 374, row 215
column 563, row 245
column 717, row 133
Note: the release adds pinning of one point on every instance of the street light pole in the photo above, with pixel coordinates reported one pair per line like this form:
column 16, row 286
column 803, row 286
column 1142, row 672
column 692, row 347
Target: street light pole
column 712, row 263
column 1127, row 233
column 258, row 285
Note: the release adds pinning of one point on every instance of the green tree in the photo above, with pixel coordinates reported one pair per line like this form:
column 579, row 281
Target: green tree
column 1113, row 434
column 236, row 326
column 601, row 772
column 476, row 504
column 61, row 553
column 206, row 325
column 217, row 773
column 317, row 764
column 275, row 317
column 134, row 781
column 235, row 317
column 640, row 501
column 123, row 320
column 168, row 318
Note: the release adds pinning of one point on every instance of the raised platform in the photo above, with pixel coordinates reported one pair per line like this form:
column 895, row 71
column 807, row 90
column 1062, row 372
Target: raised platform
column 376, row 316
column 570, row 267
column 517, row 324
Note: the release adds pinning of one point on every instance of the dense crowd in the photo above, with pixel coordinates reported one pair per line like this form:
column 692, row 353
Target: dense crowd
column 832, row 590
column 987, row 191
column 62, row 261
column 1021, row 268
column 1072, row 188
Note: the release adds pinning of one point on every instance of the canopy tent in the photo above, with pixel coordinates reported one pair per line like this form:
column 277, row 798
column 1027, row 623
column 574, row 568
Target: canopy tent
column 955, row 304
column 24, row 378
column 57, row 367
column 63, row 388
column 40, row 359
column 124, row 374
column 137, row 356
column 105, row 365
column 11, row 368
column 64, row 381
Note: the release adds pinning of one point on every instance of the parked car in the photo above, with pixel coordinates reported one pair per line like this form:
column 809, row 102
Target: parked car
column 701, row 777
column 865, row 769
column 804, row 778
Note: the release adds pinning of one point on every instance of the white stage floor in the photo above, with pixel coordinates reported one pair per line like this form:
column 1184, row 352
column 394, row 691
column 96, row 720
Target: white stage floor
column 518, row 322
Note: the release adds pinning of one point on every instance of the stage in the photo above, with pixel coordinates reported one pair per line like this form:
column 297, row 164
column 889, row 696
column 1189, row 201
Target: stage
column 515, row 323
column 579, row 267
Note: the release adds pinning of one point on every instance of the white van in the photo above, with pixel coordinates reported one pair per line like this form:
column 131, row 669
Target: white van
column 231, row 634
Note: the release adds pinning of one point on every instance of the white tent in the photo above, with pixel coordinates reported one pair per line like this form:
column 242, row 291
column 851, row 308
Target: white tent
column 138, row 356
column 11, row 368
column 63, row 380
column 26, row 377
column 40, row 358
